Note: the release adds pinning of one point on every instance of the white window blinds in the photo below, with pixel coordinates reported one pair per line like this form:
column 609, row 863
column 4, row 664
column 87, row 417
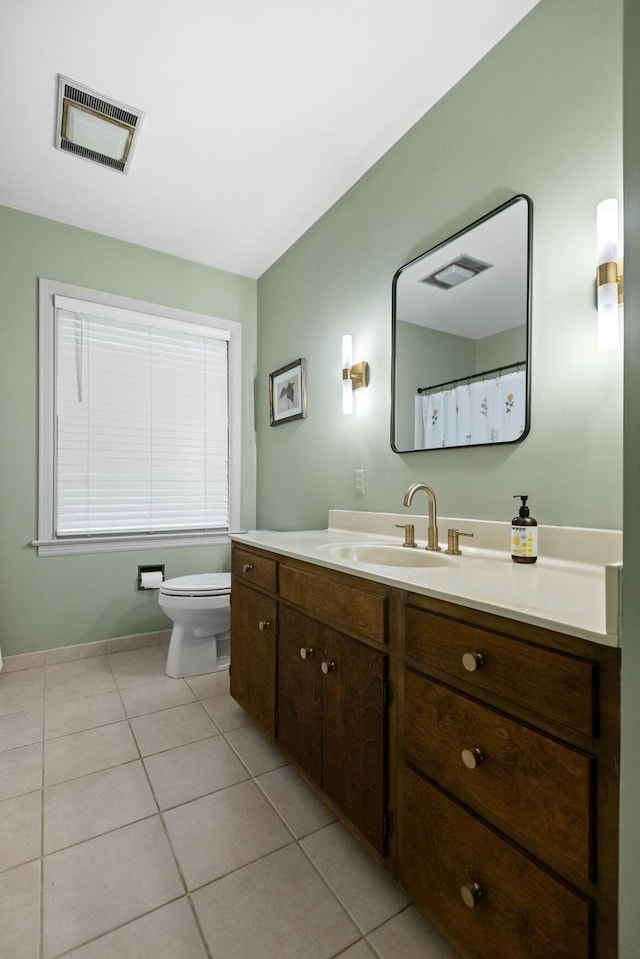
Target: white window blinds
column 142, row 423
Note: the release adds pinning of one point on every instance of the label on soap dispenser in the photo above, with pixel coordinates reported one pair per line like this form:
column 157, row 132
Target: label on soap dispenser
column 524, row 541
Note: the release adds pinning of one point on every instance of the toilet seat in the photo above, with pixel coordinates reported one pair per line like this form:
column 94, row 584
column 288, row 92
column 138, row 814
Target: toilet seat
column 199, row 584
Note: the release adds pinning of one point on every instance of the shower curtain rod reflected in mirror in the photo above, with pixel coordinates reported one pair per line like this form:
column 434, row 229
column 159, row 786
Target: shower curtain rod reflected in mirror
column 472, row 377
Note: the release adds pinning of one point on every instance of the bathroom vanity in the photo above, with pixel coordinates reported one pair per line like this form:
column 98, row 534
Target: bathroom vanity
column 470, row 745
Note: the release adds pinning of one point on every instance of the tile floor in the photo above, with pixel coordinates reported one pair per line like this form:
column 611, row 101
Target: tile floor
column 146, row 816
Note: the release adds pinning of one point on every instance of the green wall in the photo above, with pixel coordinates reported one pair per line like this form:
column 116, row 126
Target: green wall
column 630, row 760
column 539, row 115
column 58, row 601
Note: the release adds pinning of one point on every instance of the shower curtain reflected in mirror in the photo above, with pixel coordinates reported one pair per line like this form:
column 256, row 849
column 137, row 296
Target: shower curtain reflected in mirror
column 473, row 412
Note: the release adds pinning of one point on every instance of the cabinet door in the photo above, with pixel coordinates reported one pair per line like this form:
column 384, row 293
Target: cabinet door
column 253, row 654
column 299, row 690
column 354, row 733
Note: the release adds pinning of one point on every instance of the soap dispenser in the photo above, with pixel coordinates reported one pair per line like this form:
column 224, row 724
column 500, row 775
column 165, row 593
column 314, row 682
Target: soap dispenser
column 524, row 534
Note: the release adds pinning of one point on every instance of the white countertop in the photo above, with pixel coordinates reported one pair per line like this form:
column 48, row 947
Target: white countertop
column 559, row 591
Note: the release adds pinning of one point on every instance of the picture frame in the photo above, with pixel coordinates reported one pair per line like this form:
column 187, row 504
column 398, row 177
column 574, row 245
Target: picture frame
column 288, row 393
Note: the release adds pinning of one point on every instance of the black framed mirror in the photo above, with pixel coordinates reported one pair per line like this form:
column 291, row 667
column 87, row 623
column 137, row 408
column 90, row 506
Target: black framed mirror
column 461, row 333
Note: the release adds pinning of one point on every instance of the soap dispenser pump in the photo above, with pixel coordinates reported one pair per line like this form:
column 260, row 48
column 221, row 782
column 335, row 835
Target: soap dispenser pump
column 524, row 534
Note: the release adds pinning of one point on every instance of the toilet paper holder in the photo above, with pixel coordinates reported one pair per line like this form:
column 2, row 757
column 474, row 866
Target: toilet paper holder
column 148, row 576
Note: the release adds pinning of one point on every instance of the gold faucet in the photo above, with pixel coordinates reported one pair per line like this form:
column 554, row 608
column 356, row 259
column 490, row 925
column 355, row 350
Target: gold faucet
column 432, row 529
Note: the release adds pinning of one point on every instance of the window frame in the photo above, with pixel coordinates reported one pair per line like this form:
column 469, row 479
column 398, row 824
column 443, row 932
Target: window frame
column 47, row 543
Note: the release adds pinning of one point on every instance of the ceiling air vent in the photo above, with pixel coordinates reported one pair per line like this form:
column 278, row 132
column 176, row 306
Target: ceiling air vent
column 91, row 126
column 456, row 272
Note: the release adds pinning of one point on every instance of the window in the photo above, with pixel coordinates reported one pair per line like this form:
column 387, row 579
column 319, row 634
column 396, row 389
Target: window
column 139, row 424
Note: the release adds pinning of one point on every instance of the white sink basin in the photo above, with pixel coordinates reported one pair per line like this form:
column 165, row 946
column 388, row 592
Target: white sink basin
column 379, row 554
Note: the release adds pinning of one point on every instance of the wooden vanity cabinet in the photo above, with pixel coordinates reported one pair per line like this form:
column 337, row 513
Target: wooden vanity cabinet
column 333, row 690
column 332, row 717
column 508, row 789
column 254, row 623
column 309, row 662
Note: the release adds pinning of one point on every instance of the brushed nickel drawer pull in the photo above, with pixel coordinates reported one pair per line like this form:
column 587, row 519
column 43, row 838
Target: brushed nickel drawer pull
column 264, row 624
column 247, row 568
column 306, row 653
column 471, row 894
column 327, row 667
column 472, row 758
column 472, row 661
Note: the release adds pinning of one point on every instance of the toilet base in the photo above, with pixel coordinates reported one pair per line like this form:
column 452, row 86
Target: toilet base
column 191, row 655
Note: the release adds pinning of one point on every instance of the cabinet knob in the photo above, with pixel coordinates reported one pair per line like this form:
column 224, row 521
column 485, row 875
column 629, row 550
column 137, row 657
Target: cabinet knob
column 306, row 653
column 327, row 667
column 472, row 758
column 247, row 567
column 471, row 894
column 472, row 661
column 264, row 624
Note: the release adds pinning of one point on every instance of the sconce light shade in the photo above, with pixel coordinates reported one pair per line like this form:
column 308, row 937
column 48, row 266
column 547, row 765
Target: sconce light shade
column 355, row 376
column 609, row 276
column 347, row 391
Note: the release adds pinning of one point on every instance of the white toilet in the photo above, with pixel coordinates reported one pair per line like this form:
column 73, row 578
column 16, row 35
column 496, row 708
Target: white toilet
column 199, row 607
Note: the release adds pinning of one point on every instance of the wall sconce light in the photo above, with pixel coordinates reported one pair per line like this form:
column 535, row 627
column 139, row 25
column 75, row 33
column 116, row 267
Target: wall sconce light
column 354, row 375
column 610, row 290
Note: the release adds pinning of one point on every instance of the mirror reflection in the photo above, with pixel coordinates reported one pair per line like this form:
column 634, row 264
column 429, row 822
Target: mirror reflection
column 460, row 371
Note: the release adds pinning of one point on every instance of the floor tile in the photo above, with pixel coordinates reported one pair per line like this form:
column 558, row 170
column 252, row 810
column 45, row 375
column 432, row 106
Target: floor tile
column 78, row 714
column 210, row 684
column 77, row 679
column 88, row 751
column 91, row 888
column 256, row 750
column 94, row 804
column 21, row 690
column 409, row 935
column 20, row 770
column 300, row 807
column 20, row 912
column 276, row 908
column 168, row 728
column 221, row 832
column 150, row 697
column 21, row 729
column 138, row 666
column 226, row 713
column 363, row 886
column 191, row 771
column 168, row 933
column 20, row 830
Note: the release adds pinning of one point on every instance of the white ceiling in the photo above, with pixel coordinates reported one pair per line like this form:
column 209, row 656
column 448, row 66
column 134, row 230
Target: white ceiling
column 259, row 114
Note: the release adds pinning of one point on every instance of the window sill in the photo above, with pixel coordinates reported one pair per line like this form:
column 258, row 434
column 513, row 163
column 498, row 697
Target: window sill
column 113, row 544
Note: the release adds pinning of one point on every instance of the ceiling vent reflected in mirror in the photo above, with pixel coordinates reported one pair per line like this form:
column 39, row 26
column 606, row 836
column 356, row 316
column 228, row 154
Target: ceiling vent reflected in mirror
column 456, row 272
column 95, row 127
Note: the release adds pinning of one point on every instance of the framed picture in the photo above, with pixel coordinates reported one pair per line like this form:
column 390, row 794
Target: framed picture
column 288, row 393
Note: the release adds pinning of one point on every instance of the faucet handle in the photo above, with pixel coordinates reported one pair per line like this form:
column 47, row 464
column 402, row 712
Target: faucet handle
column 453, row 544
column 409, row 533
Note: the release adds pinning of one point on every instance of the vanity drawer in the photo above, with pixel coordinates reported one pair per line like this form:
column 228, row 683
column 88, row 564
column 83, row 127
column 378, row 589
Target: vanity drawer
column 254, row 568
column 522, row 912
column 560, row 687
column 361, row 610
column 534, row 786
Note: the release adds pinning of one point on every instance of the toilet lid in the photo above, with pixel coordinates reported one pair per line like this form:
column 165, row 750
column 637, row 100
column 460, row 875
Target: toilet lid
column 199, row 584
